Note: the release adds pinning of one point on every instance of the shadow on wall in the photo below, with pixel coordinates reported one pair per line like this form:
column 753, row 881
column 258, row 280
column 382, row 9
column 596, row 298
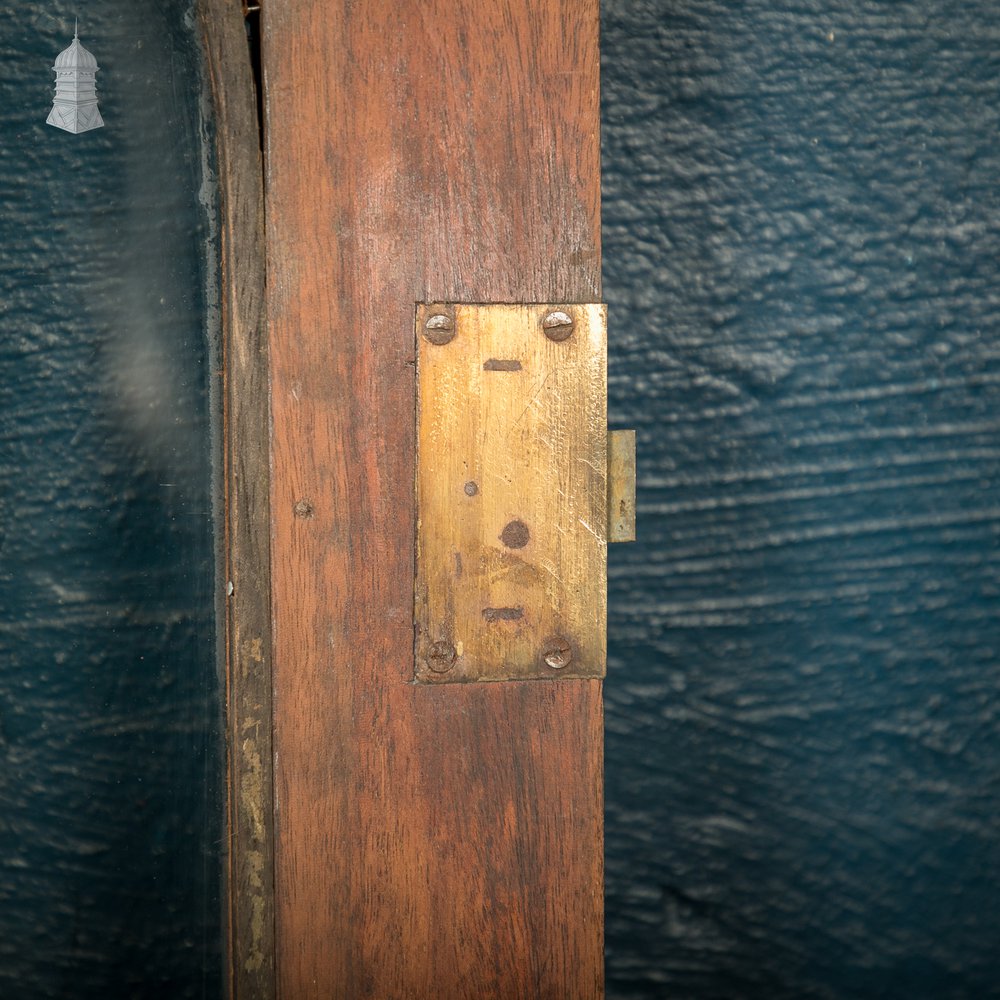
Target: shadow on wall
column 109, row 797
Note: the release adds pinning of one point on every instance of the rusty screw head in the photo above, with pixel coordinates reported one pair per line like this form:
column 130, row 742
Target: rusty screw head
column 558, row 325
column 441, row 657
column 557, row 654
column 439, row 329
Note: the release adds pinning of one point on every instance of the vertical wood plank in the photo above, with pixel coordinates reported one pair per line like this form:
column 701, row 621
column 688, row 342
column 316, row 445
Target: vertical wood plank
column 430, row 841
column 248, row 647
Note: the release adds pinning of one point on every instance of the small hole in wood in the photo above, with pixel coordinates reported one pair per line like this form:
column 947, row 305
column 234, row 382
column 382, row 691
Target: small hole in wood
column 515, row 535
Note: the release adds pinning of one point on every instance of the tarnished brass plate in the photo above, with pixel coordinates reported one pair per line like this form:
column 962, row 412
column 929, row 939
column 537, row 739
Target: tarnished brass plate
column 511, row 490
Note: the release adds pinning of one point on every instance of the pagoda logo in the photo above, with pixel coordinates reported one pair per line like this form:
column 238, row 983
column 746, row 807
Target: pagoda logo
column 75, row 106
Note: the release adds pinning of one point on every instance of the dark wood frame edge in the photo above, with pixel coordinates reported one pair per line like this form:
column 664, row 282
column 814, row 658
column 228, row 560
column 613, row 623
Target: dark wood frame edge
column 249, row 904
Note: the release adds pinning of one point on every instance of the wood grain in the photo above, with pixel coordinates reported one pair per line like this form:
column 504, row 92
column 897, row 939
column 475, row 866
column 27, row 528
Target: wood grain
column 248, row 682
column 431, row 841
column 511, row 576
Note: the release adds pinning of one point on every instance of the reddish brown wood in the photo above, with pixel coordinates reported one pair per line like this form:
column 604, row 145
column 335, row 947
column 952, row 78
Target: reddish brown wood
column 429, row 841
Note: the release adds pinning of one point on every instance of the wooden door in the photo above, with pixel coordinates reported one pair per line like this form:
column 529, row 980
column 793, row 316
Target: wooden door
column 429, row 841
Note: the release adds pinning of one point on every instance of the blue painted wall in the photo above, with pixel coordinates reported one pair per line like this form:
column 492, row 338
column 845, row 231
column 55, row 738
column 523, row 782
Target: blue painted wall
column 110, row 808
column 801, row 237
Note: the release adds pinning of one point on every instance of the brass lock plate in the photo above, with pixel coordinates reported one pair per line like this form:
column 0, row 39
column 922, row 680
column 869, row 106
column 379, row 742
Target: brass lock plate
column 511, row 492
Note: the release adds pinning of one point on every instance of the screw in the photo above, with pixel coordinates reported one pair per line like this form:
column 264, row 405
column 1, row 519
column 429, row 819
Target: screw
column 439, row 329
column 558, row 325
column 302, row 508
column 557, row 654
column 441, row 657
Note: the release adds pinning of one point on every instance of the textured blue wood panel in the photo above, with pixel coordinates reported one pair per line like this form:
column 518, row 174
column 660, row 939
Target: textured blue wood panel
column 110, row 812
column 802, row 235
